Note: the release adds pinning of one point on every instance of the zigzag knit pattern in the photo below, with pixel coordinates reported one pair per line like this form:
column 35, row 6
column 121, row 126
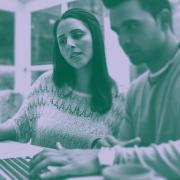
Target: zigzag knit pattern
column 51, row 114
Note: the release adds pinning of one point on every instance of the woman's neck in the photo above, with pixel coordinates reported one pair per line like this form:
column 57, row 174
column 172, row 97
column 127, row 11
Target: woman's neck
column 82, row 82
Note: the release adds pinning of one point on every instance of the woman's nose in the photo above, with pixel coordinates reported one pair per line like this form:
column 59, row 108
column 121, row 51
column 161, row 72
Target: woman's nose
column 70, row 42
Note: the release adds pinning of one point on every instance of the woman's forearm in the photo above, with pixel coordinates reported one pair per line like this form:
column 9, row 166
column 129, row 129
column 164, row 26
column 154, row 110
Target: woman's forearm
column 7, row 131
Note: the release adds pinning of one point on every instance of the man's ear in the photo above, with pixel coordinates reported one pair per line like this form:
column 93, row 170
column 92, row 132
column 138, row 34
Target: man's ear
column 164, row 18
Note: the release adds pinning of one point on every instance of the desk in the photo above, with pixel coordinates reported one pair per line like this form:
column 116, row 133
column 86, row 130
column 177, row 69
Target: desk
column 20, row 150
column 16, row 149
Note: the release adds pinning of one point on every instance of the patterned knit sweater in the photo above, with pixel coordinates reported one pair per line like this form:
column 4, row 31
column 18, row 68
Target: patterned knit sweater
column 52, row 114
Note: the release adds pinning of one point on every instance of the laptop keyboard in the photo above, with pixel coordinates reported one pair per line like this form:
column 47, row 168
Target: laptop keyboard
column 14, row 168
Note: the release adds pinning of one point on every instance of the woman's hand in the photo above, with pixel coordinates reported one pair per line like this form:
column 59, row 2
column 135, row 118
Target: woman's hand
column 66, row 162
column 111, row 141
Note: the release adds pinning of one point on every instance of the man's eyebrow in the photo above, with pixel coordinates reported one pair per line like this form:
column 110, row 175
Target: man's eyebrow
column 61, row 36
column 115, row 29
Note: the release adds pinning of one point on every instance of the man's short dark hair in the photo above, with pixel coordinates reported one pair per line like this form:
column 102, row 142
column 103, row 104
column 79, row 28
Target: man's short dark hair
column 153, row 6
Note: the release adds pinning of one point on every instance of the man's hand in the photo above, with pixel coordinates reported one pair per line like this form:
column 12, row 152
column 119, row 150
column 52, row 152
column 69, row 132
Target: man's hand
column 111, row 141
column 68, row 163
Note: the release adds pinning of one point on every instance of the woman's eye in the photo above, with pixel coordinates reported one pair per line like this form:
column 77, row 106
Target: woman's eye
column 77, row 35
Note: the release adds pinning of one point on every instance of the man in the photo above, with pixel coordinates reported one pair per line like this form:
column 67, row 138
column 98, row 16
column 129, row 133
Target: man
column 144, row 29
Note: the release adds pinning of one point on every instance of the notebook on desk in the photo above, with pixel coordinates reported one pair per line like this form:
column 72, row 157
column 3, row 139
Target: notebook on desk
column 14, row 168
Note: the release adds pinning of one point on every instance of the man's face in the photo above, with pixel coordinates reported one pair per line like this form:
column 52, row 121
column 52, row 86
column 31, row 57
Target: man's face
column 140, row 34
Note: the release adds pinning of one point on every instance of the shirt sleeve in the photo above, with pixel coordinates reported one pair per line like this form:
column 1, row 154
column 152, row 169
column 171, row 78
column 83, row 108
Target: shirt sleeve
column 113, row 118
column 22, row 121
column 164, row 159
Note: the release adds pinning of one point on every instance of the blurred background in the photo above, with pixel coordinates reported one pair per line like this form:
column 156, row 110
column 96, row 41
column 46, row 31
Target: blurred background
column 26, row 43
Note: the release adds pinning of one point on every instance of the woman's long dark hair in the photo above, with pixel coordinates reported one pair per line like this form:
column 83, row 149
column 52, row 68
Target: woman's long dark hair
column 101, row 82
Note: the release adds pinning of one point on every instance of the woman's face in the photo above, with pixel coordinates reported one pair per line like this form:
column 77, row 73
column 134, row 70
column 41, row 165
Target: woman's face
column 75, row 42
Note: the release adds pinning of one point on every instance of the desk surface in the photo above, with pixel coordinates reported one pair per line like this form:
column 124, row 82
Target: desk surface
column 16, row 149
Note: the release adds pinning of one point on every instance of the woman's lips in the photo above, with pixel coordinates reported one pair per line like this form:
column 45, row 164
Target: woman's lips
column 75, row 54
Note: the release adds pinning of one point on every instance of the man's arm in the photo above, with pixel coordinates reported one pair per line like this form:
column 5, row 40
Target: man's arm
column 164, row 159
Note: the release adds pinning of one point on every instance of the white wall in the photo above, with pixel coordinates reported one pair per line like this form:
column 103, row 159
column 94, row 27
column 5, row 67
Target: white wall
column 118, row 62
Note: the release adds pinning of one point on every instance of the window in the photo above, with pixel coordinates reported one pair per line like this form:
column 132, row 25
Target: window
column 6, row 50
column 176, row 18
column 6, row 38
column 42, row 23
column 94, row 6
column 26, row 40
column 35, row 75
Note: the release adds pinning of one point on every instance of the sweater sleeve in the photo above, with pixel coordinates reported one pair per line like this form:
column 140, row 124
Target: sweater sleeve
column 126, row 129
column 24, row 120
column 112, row 119
column 117, row 114
column 164, row 159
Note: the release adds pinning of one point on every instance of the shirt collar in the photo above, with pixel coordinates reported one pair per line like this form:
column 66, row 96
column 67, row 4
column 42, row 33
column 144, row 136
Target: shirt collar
column 153, row 77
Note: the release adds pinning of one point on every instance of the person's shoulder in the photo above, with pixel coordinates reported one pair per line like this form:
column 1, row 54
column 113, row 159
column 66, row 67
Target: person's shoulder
column 138, row 83
column 47, row 76
column 118, row 94
column 117, row 90
column 136, row 88
column 44, row 78
column 44, row 81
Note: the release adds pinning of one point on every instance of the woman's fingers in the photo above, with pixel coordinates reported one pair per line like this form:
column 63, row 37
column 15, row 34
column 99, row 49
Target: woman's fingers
column 112, row 141
column 51, row 161
column 37, row 158
column 59, row 172
column 102, row 143
column 59, row 146
column 44, row 154
column 67, row 163
column 133, row 142
column 76, row 168
column 45, row 158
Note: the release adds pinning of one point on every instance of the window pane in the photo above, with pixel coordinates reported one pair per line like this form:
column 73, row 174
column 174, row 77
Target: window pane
column 6, row 38
column 42, row 38
column 94, row 6
column 176, row 18
column 6, row 80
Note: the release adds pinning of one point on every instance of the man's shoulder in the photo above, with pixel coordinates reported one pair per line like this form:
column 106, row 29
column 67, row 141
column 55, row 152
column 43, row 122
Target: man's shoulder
column 138, row 83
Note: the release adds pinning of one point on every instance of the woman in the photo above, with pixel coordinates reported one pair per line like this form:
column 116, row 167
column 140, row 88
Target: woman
column 78, row 102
